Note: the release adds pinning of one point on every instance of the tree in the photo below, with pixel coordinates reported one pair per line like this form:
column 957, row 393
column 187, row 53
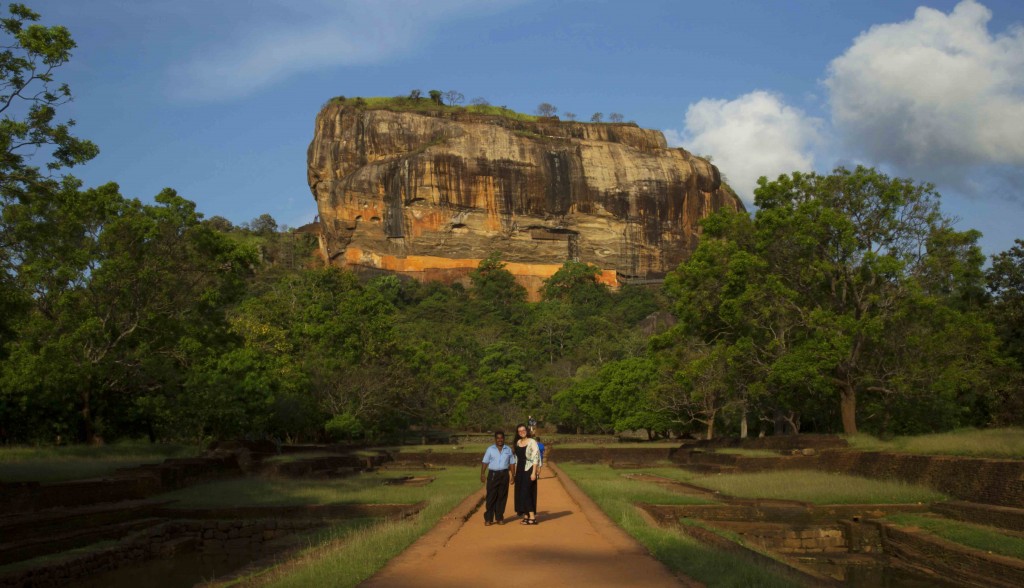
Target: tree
column 32, row 54
column 570, row 115
column 615, row 117
column 496, row 289
column 852, row 246
column 454, row 97
column 264, row 225
column 139, row 292
column 576, row 283
column 415, row 94
column 694, row 385
column 1005, row 280
column 435, row 96
column 546, row 110
column 219, row 223
column 596, row 117
column 479, row 101
column 30, row 134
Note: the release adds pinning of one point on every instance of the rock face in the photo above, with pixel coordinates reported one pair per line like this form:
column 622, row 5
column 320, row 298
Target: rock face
column 431, row 194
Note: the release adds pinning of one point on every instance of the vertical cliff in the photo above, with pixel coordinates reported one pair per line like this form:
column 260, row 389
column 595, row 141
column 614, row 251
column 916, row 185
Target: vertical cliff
column 429, row 194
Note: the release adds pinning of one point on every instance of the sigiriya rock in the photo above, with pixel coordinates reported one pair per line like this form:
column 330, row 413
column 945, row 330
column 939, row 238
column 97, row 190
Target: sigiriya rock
column 429, row 194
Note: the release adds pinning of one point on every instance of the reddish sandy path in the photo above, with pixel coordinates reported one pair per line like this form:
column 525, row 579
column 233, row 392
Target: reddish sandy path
column 574, row 544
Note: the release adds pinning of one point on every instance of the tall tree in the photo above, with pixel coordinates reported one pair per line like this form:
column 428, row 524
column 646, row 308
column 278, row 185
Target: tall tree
column 850, row 245
column 546, row 109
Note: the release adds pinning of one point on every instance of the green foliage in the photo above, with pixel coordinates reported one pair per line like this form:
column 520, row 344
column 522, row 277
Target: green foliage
column 577, row 284
column 31, row 55
column 411, row 104
column 850, row 286
column 124, row 318
column 1005, row 280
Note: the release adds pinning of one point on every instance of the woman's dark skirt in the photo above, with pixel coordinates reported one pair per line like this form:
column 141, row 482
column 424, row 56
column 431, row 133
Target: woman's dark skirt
column 525, row 492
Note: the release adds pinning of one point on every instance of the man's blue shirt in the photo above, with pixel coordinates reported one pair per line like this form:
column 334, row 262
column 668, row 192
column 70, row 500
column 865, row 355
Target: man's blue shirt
column 499, row 460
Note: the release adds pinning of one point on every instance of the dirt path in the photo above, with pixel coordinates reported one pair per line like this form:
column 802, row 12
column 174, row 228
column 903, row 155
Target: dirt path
column 574, row 544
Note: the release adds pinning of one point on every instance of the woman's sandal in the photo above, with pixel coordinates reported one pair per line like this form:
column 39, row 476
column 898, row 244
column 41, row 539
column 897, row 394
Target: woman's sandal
column 525, row 521
column 530, row 521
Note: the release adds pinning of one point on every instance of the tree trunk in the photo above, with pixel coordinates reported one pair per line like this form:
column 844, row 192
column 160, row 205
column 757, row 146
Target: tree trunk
column 88, row 430
column 743, row 423
column 711, row 429
column 848, row 407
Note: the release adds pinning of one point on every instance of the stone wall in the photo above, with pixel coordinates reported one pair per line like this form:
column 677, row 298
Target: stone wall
column 982, row 514
column 790, row 539
column 232, row 537
column 990, row 481
column 129, row 484
column 756, row 511
column 235, row 537
column 969, row 567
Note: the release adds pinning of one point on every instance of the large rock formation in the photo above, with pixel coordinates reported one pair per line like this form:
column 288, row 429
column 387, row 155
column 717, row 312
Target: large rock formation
column 430, row 194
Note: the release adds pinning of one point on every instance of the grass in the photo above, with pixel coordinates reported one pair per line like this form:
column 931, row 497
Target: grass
column 75, row 462
column 350, row 554
column 1003, row 442
column 817, row 488
column 548, row 441
column 293, row 457
column 52, row 558
column 977, row 536
column 615, row 482
column 681, row 553
column 749, row 452
column 359, row 489
column 406, row 104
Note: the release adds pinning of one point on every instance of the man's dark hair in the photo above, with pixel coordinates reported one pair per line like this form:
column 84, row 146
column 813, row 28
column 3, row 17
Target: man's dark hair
column 496, row 433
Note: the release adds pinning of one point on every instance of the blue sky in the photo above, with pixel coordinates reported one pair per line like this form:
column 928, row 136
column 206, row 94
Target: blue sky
column 217, row 99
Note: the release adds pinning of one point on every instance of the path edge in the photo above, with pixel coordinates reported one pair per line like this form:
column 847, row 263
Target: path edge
column 430, row 542
column 613, row 533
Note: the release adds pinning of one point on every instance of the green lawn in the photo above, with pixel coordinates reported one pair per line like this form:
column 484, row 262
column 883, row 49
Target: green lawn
column 349, row 554
column 814, row 487
column 616, row 496
column 1001, row 443
column 367, row 488
column 981, row 537
column 56, row 464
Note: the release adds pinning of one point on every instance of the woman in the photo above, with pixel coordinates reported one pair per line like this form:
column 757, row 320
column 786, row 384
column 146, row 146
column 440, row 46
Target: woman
column 528, row 466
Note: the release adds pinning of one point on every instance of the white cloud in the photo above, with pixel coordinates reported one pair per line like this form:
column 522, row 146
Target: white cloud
column 287, row 38
column 934, row 96
column 754, row 135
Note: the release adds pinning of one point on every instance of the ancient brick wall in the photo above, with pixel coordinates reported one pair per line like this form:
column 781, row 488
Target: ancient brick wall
column 982, row 514
column 990, row 481
column 970, row 567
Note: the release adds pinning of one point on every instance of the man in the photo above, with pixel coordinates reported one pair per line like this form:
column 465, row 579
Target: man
column 495, row 472
column 532, row 423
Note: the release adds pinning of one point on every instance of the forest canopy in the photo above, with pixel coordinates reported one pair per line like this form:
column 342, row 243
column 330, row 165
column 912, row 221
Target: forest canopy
column 848, row 301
